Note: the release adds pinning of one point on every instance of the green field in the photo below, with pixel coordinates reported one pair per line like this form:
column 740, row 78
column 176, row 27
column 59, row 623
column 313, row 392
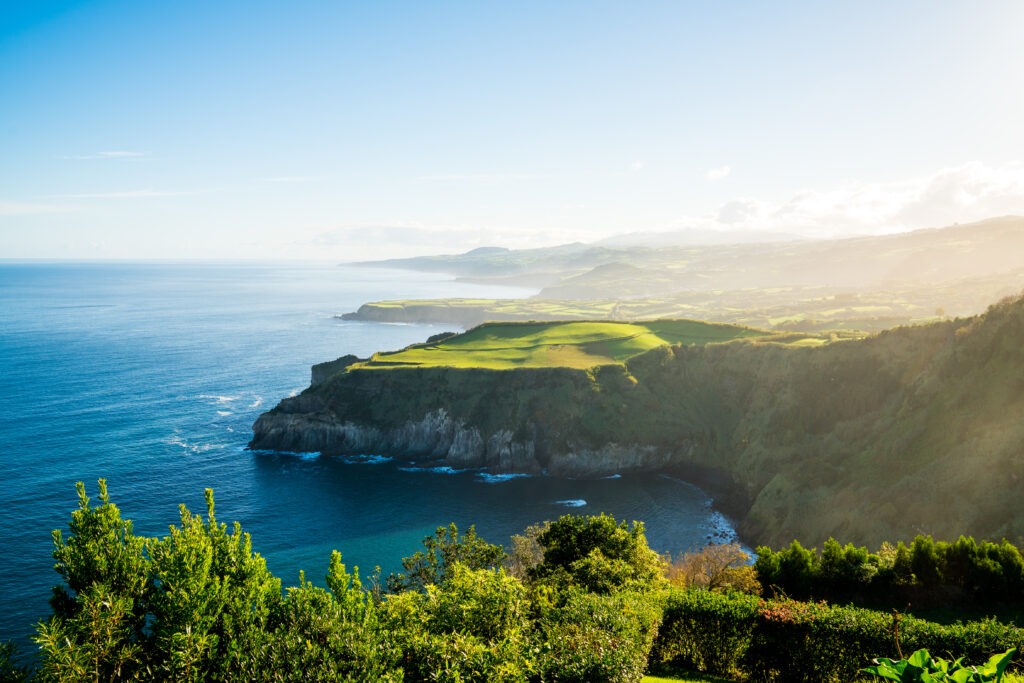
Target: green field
column 581, row 345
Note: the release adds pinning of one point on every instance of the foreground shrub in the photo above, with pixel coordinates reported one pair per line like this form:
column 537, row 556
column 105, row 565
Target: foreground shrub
column 328, row 635
column 592, row 638
column 811, row 642
column 921, row 666
column 705, row 631
column 473, row 627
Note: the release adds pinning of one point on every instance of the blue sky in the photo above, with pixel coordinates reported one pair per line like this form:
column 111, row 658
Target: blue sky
column 352, row 130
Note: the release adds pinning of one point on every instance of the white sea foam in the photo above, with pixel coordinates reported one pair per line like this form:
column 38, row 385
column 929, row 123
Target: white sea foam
column 443, row 469
column 257, row 403
column 367, row 459
column 224, row 413
column 572, row 503
column 191, row 447
column 489, row 478
column 217, row 399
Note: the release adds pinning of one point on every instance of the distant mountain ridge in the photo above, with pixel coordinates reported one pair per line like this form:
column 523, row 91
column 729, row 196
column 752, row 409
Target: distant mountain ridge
column 884, row 280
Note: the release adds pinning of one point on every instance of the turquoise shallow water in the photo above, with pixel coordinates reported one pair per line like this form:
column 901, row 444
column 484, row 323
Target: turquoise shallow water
column 151, row 376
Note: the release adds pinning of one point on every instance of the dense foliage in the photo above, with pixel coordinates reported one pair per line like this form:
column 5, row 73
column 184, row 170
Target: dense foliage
column 580, row 599
column 927, row 572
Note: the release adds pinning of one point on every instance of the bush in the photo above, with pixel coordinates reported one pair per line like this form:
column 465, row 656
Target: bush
column 705, row 631
column 473, row 627
column 597, row 554
column 591, row 637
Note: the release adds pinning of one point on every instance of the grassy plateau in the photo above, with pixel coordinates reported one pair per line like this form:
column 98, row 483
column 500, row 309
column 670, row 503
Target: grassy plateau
column 578, row 345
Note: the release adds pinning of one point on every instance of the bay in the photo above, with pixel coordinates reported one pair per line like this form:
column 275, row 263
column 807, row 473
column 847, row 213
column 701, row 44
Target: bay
column 151, row 374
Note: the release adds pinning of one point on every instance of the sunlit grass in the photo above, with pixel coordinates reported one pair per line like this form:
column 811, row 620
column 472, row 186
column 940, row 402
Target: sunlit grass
column 580, row 345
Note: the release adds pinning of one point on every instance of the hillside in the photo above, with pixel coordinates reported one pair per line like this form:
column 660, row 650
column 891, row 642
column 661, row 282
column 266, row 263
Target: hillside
column 914, row 430
column 866, row 283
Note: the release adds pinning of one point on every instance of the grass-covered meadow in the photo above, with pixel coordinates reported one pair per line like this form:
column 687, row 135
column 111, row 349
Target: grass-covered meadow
column 578, row 345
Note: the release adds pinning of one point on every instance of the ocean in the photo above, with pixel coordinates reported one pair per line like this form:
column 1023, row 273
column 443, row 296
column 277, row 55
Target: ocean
column 150, row 375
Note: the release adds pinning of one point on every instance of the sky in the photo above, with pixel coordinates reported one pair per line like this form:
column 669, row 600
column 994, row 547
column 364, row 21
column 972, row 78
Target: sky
column 366, row 130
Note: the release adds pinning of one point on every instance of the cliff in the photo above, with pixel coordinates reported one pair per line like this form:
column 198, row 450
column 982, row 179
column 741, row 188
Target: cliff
column 909, row 431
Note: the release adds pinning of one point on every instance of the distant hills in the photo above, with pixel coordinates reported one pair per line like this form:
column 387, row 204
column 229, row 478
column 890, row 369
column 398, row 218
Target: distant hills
column 867, row 283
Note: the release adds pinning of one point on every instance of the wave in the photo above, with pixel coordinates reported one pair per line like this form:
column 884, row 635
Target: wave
column 192, row 447
column 367, row 459
column 218, row 399
column 489, row 478
column 572, row 503
column 224, row 413
column 443, row 469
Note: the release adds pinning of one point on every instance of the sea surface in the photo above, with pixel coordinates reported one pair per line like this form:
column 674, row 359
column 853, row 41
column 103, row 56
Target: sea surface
column 151, row 375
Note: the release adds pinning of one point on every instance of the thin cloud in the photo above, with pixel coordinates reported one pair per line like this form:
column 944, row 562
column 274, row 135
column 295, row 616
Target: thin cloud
column 293, row 179
column 130, row 194
column 717, row 174
column 480, row 177
column 110, row 154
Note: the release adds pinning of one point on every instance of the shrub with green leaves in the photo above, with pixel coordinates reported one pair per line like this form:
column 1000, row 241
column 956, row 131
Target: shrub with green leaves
column 598, row 554
column 922, row 667
column 592, row 637
column 705, row 631
column 472, row 627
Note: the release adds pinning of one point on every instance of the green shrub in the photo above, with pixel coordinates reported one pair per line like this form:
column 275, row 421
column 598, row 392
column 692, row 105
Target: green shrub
column 472, row 627
column 705, row 631
column 921, row 666
column 593, row 638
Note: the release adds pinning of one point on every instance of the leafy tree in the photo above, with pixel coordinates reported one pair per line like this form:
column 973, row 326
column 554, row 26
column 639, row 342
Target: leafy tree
column 715, row 567
column 443, row 551
column 333, row 634
column 212, row 598
column 97, row 629
column 598, row 554
column 844, row 570
column 527, row 552
column 926, row 560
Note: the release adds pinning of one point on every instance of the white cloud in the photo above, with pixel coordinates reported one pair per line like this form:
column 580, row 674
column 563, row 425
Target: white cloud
column 130, row 194
column 716, row 174
column 110, row 154
column 972, row 191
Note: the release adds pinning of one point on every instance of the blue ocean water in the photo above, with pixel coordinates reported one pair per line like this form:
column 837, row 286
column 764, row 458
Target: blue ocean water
column 151, row 375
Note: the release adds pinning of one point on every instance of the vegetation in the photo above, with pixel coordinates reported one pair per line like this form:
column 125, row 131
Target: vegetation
column 592, row 606
column 926, row 573
column 580, row 345
column 790, row 439
column 868, row 284
column 921, row 666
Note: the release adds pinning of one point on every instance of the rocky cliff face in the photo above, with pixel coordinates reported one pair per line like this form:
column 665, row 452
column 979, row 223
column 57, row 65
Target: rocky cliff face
column 914, row 430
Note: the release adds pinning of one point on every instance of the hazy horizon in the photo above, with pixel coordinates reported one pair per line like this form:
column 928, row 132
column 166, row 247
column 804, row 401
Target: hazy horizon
column 350, row 131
